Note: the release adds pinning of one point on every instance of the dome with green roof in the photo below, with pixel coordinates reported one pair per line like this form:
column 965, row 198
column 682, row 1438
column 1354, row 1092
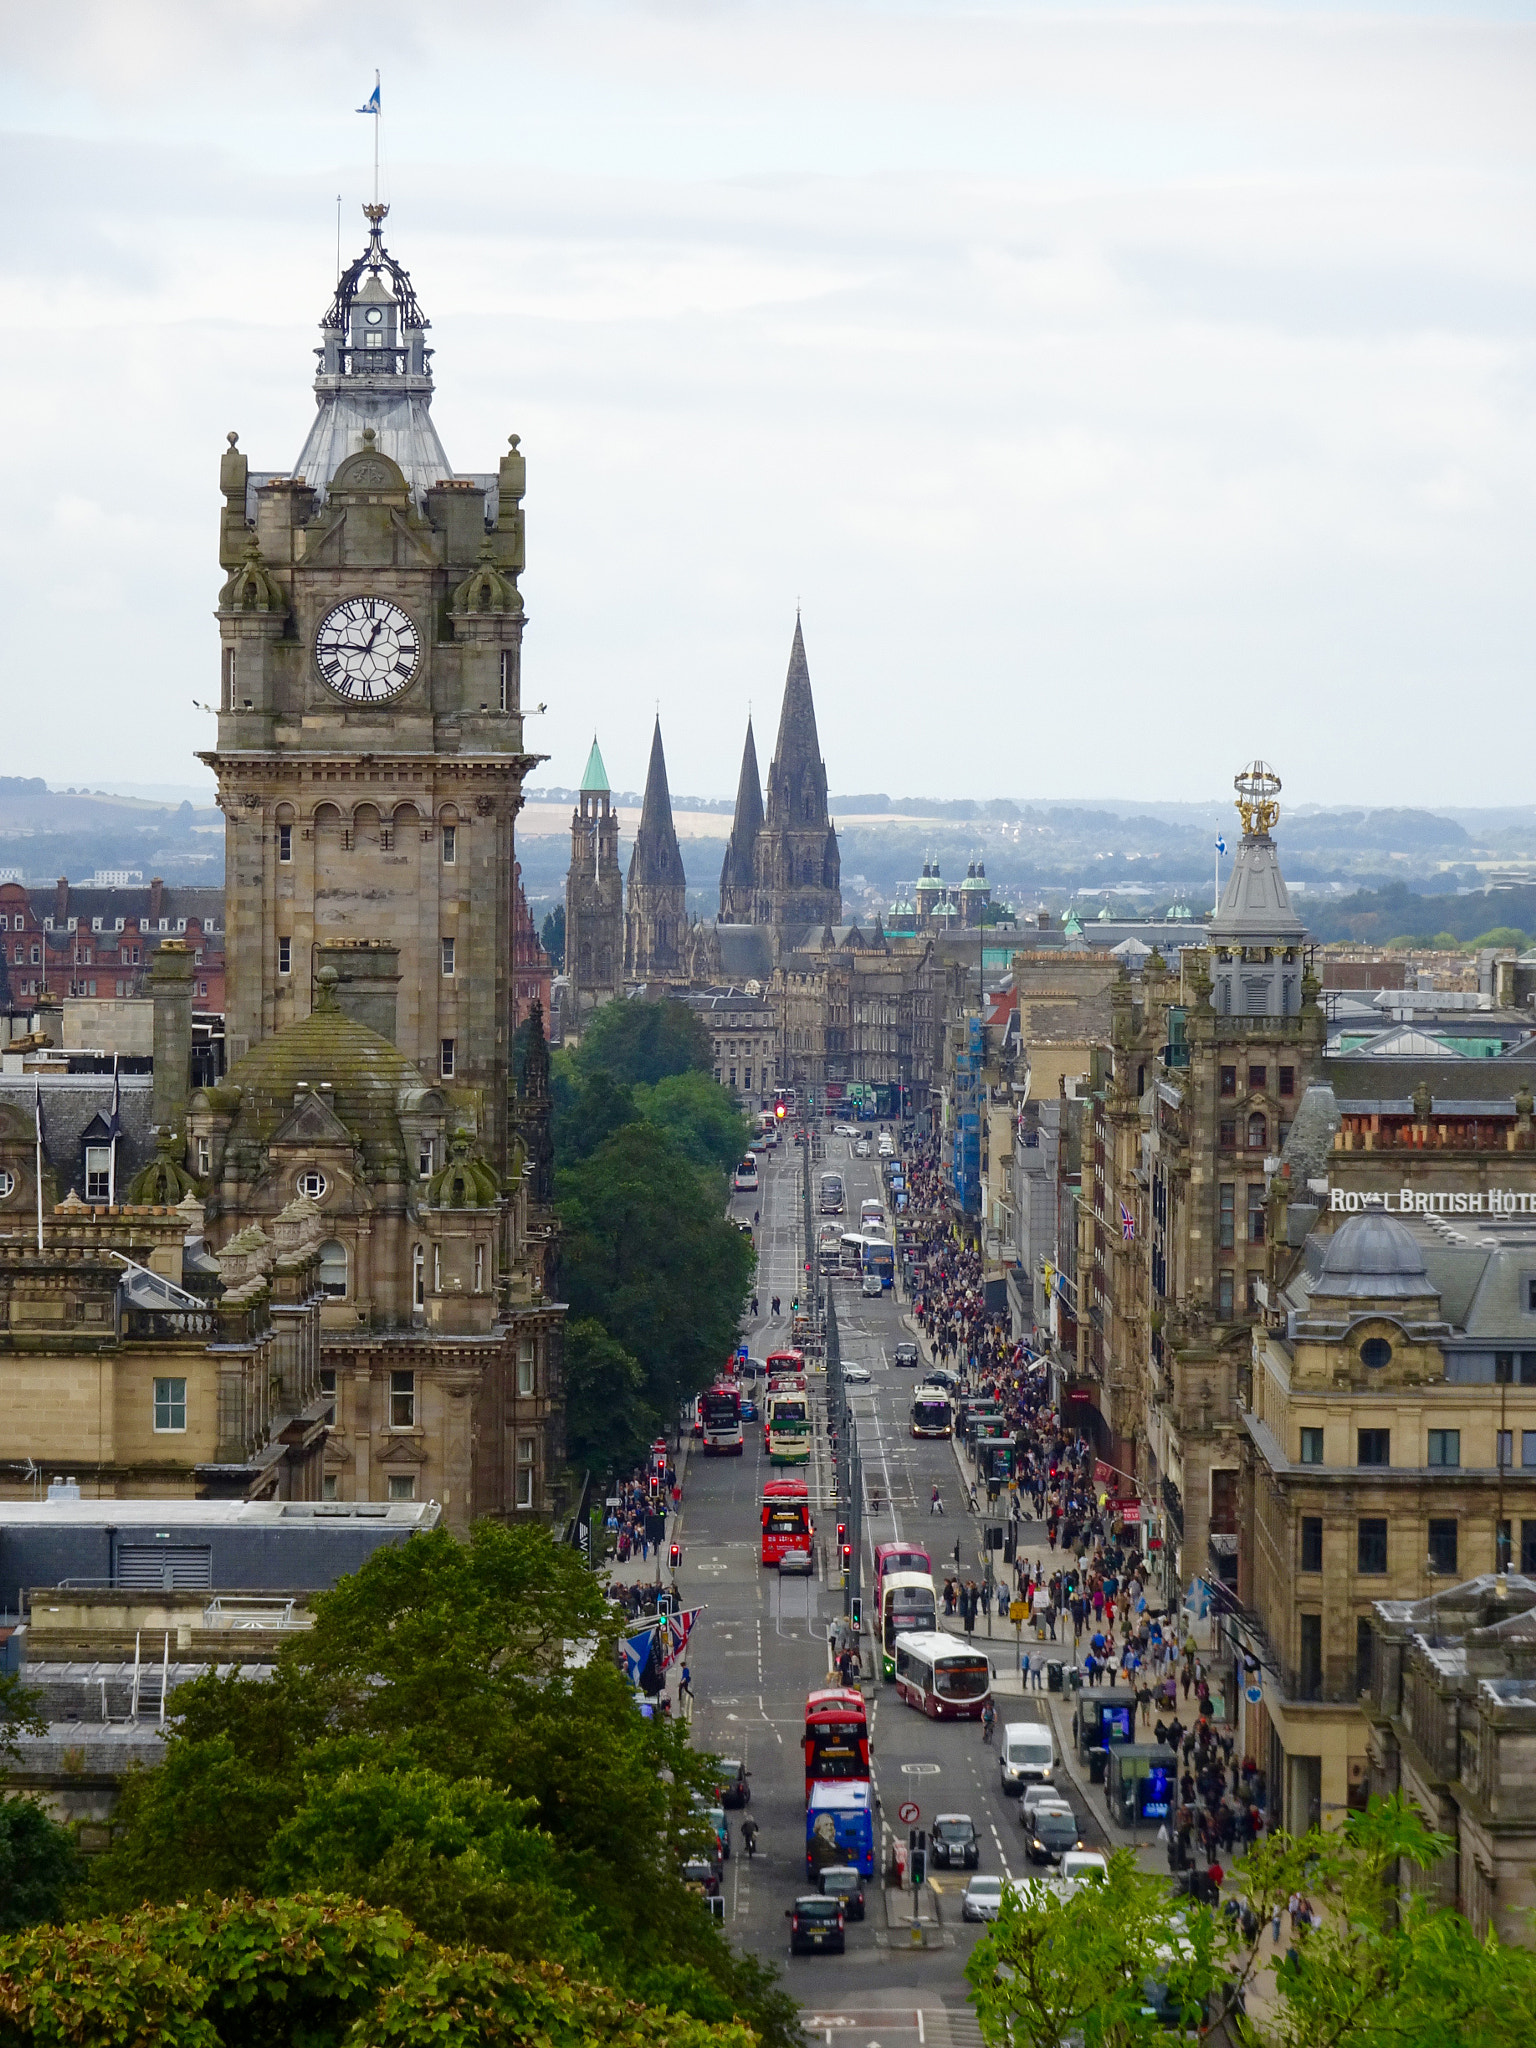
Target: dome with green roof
column 973, row 880
column 355, row 1075
column 1073, row 928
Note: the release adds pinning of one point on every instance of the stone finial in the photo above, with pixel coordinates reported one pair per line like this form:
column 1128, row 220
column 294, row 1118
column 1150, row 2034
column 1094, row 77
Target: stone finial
column 252, row 587
column 1423, row 1103
column 326, row 984
column 486, row 588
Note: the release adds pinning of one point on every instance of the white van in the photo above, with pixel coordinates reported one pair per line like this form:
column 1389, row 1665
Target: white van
column 1027, row 1756
column 887, row 1145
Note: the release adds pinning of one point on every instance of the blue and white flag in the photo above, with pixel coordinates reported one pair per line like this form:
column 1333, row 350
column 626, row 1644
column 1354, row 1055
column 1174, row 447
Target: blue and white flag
column 637, row 1652
column 1221, row 844
column 372, row 106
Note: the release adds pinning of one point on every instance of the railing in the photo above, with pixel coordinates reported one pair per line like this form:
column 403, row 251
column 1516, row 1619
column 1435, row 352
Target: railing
column 1173, row 1503
column 176, row 1325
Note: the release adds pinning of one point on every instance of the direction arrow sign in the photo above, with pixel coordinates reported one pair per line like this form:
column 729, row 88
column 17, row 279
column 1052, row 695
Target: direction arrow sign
column 908, row 1812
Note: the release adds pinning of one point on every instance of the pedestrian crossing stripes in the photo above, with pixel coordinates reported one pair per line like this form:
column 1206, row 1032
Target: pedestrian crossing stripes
column 928, row 2026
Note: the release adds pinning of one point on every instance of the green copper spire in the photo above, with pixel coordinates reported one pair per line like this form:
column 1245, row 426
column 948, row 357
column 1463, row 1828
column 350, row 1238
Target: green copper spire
column 596, row 775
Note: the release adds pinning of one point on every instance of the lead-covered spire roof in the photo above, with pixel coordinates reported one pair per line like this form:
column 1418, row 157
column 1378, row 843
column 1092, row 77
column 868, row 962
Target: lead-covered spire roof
column 656, row 856
column 747, row 822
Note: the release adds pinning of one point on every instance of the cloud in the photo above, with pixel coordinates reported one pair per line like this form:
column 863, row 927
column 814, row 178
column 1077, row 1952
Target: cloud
column 1122, row 391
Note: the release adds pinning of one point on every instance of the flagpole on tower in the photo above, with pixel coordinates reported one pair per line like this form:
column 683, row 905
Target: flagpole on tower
column 373, row 106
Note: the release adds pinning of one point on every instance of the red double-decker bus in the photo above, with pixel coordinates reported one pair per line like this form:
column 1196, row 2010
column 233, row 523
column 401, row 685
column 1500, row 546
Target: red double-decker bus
column 720, row 1414
column 836, row 1737
column 785, row 1362
column 787, row 1523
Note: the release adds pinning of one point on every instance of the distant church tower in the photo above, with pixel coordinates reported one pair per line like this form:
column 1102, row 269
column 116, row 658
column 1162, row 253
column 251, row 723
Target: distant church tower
column 738, row 876
column 796, row 868
column 656, row 921
column 594, row 891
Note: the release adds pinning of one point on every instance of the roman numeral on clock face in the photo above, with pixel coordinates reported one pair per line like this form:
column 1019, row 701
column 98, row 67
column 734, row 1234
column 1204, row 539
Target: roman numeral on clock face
column 367, row 649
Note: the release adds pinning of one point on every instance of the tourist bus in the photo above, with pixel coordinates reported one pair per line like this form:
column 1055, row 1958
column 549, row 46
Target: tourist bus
column 829, row 1245
column 720, row 1407
column 786, row 1514
column 907, row 1604
column 872, row 1215
column 931, row 1413
column 746, row 1176
column 787, row 1422
column 942, row 1677
column 779, row 1364
column 830, row 1194
column 836, row 1736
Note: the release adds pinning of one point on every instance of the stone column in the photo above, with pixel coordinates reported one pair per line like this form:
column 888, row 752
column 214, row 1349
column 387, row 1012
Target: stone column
column 170, row 984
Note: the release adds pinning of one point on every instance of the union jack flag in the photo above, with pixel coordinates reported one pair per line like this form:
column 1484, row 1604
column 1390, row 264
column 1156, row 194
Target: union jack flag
column 1127, row 1224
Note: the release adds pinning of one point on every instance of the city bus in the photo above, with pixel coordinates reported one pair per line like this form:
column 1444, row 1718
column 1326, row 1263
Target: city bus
column 787, row 1421
column 872, row 1215
column 828, row 1247
column 830, row 1194
column 907, row 1605
column 931, row 1414
column 787, row 1523
column 942, row 1677
column 839, row 1829
column 779, row 1364
column 898, row 1557
column 836, row 1736
column 746, row 1176
column 880, row 1257
column 720, row 1412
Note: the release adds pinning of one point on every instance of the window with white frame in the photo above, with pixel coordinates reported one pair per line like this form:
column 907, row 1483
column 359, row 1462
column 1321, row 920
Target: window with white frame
column 98, row 1173
column 204, row 1158
column 527, row 1460
column 506, row 679
column 285, row 956
column 448, row 951
column 479, row 1269
column 170, row 1406
column 450, row 845
column 424, row 1158
column 447, row 1059
column 7, row 1183
column 312, row 1182
column 333, row 1268
column 527, row 1367
column 418, row 1276
column 402, row 1400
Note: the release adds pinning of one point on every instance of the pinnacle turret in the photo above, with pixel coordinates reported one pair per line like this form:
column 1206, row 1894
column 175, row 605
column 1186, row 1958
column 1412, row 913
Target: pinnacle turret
column 737, row 875
column 655, row 915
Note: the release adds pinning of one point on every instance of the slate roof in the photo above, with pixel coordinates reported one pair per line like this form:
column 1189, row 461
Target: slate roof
column 71, row 1103
column 1255, row 906
column 746, row 951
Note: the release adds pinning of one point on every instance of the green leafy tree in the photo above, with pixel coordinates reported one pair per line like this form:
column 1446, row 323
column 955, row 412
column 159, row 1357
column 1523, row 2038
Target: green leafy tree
column 646, row 1250
column 39, row 1864
column 428, row 1745
column 552, row 935
column 20, row 1714
column 588, row 1113
column 695, row 1111
column 607, row 1421
column 1121, row 1962
column 307, row 1972
column 645, row 1042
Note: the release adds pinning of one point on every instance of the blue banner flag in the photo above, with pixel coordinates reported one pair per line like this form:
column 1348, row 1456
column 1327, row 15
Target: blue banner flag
column 637, row 1651
column 372, row 106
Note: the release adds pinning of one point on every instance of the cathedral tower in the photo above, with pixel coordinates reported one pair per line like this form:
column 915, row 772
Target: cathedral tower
column 655, row 923
column 738, row 874
column 594, row 892
column 797, row 871
column 370, row 755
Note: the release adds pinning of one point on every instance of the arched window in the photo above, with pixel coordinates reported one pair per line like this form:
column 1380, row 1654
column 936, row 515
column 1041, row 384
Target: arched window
column 333, row 1267
column 1258, row 1133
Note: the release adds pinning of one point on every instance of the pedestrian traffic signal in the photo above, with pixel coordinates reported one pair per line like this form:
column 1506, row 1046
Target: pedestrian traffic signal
column 675, row 1556
column 856, row 1613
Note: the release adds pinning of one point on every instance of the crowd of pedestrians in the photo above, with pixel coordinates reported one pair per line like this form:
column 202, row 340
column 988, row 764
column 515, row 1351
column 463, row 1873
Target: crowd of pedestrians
column 1086, row 1601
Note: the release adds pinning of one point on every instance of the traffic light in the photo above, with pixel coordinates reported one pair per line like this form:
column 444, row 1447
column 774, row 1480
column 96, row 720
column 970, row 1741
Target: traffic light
column 856, row 1613
column 847, row 1556
column 780, row 1111
column 675, row 1556
column 842, row 1533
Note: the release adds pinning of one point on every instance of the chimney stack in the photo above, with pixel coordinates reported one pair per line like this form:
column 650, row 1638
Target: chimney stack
column 170, row 984
column 367, row 980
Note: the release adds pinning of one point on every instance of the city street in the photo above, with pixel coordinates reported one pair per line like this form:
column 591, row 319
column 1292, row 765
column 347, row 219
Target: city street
column 761, row 1645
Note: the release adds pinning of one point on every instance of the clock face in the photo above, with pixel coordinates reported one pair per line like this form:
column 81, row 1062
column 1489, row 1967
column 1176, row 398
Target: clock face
column 367, row 649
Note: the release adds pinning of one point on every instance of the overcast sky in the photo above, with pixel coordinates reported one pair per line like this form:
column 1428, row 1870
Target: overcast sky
column 1121, row 391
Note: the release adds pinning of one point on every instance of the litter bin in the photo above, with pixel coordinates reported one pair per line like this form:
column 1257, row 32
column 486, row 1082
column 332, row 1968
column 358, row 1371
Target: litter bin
column 1074, row 1680
column 1098, row 1761
column 1053, row 1676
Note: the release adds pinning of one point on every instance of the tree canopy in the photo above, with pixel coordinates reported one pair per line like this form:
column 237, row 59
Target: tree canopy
column 644, row 1042
column 433, row 1748
column 1121, row 1962
column 311, row 1970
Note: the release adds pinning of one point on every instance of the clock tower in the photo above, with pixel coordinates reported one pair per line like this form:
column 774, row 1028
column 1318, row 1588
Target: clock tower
column 370, row 755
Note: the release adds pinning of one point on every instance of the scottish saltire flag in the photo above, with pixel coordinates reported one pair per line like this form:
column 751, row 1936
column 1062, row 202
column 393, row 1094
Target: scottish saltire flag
column 637, row 1651
column 1221, row 844
column 372, row 106
column 1127, row 1223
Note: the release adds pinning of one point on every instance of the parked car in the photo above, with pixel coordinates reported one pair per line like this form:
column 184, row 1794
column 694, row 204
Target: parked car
column 845, row 1130
column 701, row 1876
column 954, row 1841
column 904, row 1354
column 843, row 1883
column 715, row 1815
column 815, row 1923
column 983, row 1899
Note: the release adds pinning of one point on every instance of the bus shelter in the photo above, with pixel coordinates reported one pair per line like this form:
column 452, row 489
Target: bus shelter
column 1141, row 1783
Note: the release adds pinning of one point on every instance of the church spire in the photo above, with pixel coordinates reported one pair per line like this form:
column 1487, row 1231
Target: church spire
column 798, row 746
column 656, row 856
column 738, row 872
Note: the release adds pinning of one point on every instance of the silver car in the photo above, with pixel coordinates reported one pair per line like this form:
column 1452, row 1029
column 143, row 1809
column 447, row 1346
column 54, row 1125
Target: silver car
column 983, row 1899
column 797, row 1563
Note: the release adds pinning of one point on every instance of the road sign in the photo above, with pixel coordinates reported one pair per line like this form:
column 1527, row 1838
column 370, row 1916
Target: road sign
column 1017, row 1611
column 908, row 1812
